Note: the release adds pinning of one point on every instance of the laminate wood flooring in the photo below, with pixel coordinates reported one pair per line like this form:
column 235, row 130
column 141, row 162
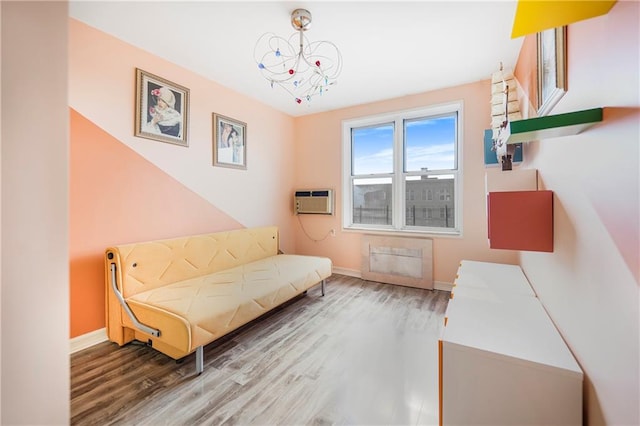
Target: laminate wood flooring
column 364, row 354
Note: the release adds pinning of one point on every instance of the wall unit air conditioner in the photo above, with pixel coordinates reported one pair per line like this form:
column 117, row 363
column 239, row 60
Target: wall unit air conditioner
column 313, row 201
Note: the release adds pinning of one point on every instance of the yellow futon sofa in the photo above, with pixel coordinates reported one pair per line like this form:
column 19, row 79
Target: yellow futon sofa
column 180, row 294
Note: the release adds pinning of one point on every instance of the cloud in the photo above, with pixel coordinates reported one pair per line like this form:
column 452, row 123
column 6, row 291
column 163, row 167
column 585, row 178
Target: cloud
column 376, row 162
column 433, row 157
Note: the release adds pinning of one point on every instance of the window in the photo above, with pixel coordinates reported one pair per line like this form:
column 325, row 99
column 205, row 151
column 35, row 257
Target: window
column 400, row 167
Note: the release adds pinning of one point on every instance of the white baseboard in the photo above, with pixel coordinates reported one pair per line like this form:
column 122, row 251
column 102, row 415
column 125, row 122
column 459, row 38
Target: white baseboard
column 87, row 340
column 347, row 272
column 441, row 285
column 98, row 336
column 437, row 285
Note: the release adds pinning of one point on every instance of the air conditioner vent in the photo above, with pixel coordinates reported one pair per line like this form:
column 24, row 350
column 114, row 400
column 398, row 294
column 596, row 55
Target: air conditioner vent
column 313, row 201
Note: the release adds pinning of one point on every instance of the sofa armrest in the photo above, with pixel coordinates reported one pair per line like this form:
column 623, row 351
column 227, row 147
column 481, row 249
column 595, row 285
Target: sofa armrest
column 142, row 327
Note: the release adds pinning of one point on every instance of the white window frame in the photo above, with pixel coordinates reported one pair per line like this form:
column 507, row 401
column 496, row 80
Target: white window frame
column 398, row 175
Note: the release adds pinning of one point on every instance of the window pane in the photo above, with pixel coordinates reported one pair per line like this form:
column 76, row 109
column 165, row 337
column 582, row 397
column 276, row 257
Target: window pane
column 372, row 150
column 372, row 201
column 401, row 171
column 429, row 143
column 435, row 212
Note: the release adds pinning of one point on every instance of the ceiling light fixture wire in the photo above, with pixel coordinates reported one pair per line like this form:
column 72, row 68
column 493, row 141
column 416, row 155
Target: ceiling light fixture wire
column 304, row 69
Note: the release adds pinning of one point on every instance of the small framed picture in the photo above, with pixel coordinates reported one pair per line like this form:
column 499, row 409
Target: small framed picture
column 162, row 109
column 552, row 68
column 229, row 142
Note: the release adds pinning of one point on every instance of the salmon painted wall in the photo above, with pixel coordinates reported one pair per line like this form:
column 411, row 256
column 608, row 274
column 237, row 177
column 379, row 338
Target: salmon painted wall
column 118, row 197
column 102, row 88
column 319, row 157
column 590, row 283
column 126, row 188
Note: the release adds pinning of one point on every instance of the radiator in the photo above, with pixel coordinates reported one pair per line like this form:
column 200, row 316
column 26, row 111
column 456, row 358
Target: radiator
column 398, row 260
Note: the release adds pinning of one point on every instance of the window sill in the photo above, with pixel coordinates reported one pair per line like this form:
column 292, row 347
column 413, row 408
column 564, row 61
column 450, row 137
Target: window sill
column 404, row 232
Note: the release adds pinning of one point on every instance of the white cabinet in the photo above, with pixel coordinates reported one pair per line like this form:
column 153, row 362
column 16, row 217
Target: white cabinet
column 490, row 280
column 511, row 180
column 502, row 361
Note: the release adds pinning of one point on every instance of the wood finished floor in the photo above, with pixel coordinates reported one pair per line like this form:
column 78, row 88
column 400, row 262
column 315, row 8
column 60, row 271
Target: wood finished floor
column 364, row 354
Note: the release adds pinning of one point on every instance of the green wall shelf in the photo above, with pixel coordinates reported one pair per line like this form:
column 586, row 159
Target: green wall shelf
column 550, row 126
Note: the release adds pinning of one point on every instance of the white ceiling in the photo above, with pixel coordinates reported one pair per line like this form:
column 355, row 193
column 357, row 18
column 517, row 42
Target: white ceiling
column 389, row 49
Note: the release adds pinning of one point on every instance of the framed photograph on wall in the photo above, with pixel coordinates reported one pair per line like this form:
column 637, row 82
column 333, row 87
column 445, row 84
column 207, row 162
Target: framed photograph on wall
column 229, row 142
column 162, row 109
column 552, row 68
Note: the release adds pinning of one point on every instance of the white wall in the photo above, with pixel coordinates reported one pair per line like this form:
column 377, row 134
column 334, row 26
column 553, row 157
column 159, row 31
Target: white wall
column 589, row 284
column 35, row 260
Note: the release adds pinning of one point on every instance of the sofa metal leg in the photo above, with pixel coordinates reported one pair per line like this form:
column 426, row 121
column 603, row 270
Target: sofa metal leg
column 322, row 287
column 199, row 360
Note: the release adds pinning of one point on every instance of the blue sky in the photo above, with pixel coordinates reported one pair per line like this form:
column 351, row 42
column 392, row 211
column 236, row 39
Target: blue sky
column 429, row 143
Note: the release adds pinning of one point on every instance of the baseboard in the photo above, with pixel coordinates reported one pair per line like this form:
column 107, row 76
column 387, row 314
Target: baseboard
column 347, row 272
column 87, row 340
column 437, row 285
column 441, row 285
column 98, row 336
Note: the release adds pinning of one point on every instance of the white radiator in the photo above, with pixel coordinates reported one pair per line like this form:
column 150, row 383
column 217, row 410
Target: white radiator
column 398, row 260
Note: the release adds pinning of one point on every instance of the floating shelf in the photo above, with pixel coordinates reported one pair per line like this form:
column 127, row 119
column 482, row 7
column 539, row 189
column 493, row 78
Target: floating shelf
column 550, row 126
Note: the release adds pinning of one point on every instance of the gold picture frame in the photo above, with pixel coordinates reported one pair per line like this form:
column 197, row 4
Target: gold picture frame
column 552, row 68
column 162, row 109
column 229, row 142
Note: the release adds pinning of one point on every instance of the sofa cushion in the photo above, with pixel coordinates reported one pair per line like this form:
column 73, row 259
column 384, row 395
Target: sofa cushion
column 212, row 305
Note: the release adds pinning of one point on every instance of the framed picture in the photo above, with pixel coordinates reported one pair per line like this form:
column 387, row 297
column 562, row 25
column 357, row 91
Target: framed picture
column 229, row 142
column 552, row 68
column 162, row 109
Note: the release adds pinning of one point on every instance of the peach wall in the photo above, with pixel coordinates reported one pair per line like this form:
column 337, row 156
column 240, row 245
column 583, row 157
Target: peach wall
column 35, row 233
column 102, row 89
column 319, row 156
column 590, row 283
column 118, row 197
column 128, row 189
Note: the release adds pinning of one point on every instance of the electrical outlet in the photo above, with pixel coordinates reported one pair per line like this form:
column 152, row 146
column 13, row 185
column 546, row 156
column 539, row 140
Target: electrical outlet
column 333, row 232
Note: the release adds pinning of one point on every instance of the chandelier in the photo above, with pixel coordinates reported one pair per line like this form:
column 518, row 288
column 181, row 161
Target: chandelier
column 302, row 68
